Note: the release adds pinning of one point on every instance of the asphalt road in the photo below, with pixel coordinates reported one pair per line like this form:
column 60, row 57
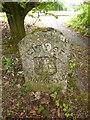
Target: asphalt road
column 50, row 21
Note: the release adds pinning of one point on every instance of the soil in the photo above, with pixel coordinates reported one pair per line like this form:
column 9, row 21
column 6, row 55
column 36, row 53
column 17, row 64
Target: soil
column 19, row 101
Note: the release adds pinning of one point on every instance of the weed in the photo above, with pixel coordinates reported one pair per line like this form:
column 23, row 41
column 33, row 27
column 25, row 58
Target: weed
column 71, row 75
column 68, row 115
column 63, row 106
column 57, row 102
column 72, row 63
column 8, row 64
column 54, row 95
column 41, row 108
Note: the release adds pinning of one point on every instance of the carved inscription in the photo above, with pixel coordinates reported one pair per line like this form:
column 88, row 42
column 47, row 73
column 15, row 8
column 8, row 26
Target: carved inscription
column 45, row 65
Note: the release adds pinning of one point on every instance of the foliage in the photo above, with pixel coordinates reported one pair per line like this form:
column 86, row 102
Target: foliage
column 48, row 6
column 55, row 6
column 4, row 16
column 23, row 5
column 71, row 66
column 45, row 7
column 1, row 6
column 81, row 23
column 41, row 108
column 15, row 18
column 54, row 95
column 8, row 64
column 61, row 104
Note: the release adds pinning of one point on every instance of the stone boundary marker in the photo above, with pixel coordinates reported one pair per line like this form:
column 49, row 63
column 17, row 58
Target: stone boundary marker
column 45, row 59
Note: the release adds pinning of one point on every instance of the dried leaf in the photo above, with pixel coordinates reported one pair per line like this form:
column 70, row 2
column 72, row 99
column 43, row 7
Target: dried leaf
column 58, row 112
column 38, row 95
column 18, row 85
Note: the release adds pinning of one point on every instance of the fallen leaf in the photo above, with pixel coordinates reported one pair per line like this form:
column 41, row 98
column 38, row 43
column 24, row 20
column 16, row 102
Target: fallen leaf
column 38, row 95
column 18, row 85
column 7, row 83
column 33, row 112
column 58, row 112
column 44, row 101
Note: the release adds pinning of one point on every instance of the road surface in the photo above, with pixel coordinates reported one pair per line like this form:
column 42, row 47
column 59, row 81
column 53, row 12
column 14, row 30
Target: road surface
column 50, row 21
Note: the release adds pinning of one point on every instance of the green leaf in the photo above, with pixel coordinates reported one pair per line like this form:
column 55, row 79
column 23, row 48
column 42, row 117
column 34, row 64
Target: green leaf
column 57, row 103
column 54, row 95
column 64, row 109
column 72, row 65
column 1, row 6
column 8, row 61
column 73, row 60
column 4, row 16
column 23, row 5
column 41, row 108
column 61, row 106
column 31, row 15
column 52, row 15
column 55, row 16
column 8, row 64
column 65, row 106
column 71, row 89
column 67, row 115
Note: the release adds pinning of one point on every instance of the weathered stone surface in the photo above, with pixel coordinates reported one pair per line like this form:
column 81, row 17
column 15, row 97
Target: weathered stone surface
column 45, row 59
